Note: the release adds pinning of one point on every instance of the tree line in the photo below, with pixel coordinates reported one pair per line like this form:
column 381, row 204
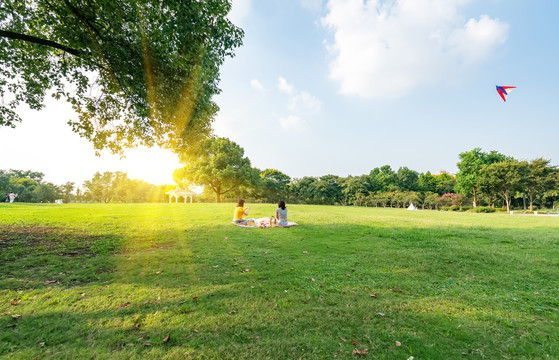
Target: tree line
column 488, row 179
column 102, row 187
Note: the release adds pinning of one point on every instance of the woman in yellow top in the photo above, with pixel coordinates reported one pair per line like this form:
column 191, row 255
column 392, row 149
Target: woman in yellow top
column 240, row 210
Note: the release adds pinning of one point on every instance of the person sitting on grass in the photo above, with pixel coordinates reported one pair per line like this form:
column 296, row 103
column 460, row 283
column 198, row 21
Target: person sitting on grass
column 281, row 214
column 241, row 211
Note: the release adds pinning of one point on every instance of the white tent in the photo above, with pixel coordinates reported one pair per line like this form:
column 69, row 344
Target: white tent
column 411, row 207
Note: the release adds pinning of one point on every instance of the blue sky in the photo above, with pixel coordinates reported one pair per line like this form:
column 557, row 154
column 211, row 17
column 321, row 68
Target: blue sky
column 340, row 87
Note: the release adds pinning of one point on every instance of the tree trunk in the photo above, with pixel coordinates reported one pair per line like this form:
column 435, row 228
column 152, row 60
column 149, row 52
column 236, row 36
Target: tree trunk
column 531, row 202
column 218, row 195
column 475, row 198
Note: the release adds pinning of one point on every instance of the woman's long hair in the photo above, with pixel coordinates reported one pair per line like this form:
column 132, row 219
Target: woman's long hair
column 241, row 203
column 281, row 204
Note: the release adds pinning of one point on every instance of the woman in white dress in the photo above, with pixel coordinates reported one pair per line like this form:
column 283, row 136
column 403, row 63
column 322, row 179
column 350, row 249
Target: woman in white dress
column 281, row 214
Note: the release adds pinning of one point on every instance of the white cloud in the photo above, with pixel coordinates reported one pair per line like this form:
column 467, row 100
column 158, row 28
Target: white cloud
column 283, row 86
column 387, row 48
column 256, row 84
column 305, row 100
column 292, row 122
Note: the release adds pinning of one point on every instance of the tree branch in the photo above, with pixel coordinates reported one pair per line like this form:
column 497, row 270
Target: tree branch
column 39, row 41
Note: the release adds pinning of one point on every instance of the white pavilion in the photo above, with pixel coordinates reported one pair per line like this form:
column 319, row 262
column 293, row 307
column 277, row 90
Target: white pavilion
column 177, row 193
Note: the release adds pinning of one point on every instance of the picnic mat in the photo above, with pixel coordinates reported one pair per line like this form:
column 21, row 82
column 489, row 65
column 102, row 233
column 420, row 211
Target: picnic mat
column 265, row 223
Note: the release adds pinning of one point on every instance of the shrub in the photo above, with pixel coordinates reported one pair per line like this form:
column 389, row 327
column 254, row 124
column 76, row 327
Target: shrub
column 483, row 209
column 454, row 208
column 443, row 208
column 466, row 208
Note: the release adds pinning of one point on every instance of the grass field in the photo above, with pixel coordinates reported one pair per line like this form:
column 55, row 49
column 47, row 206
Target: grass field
column 176, row 281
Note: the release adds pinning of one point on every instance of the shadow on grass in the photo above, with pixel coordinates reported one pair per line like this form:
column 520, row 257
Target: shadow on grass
column 39, row 256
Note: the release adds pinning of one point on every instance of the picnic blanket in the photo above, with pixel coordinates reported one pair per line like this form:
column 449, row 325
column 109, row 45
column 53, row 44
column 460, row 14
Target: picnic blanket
column 265, row 223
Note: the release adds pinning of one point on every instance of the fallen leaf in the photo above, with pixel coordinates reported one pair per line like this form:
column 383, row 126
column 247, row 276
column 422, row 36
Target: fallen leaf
column 11, row 325
column 147, row 344
column 354, row 342
column 373, row 295
column 232, row 312
column 448, row 262
column 344, row 340
column 226, row 238
column 196, row 330
column 137, row 325
column 398, row 343
column 15, row 302
column 292, row 269
column 347, row 275
column 41, row 344
column 16, row 316
column 398, row 291
column 305, row 252
column 195, row 297
column 124, row 305
column 313, row 280
column 321, row 285
column 360, row 352
column 158, row 272
column 352, row 269
column 152, row 301
column 381, row 314
column 247, row 270
column 167, row 338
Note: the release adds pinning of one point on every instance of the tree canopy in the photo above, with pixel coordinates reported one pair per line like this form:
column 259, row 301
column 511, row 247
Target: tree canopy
column 220, row 164
column 136, row 73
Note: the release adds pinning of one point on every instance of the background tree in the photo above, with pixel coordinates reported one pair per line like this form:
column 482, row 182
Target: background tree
column 274, row 185
column 446, row 183
column 470, row 165
column 329, row 190
column 407, row 179
column 355, row 189
column 507, row 177
column 383, row 178
column 427, row 182
column 220, row 164
column 136, row 72
column 539, row 180
column 99, row 187
column 66, row 190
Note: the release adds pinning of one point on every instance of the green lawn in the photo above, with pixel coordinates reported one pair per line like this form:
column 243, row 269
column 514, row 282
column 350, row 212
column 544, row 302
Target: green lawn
column 113, row 281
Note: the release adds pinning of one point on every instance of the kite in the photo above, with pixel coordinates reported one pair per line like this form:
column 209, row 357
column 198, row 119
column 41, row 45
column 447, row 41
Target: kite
column 504, row 91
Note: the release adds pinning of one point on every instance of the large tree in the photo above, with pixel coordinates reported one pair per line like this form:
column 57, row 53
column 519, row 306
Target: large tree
column 137, row 72
column 220, row 164
column 470, row 165
column 506, row 177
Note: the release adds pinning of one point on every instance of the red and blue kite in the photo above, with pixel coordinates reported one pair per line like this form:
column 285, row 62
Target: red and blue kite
column 504, row 91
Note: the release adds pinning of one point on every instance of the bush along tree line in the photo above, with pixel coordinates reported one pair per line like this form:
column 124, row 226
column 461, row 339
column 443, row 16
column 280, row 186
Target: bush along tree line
column 106, row 187
column 485, row 181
